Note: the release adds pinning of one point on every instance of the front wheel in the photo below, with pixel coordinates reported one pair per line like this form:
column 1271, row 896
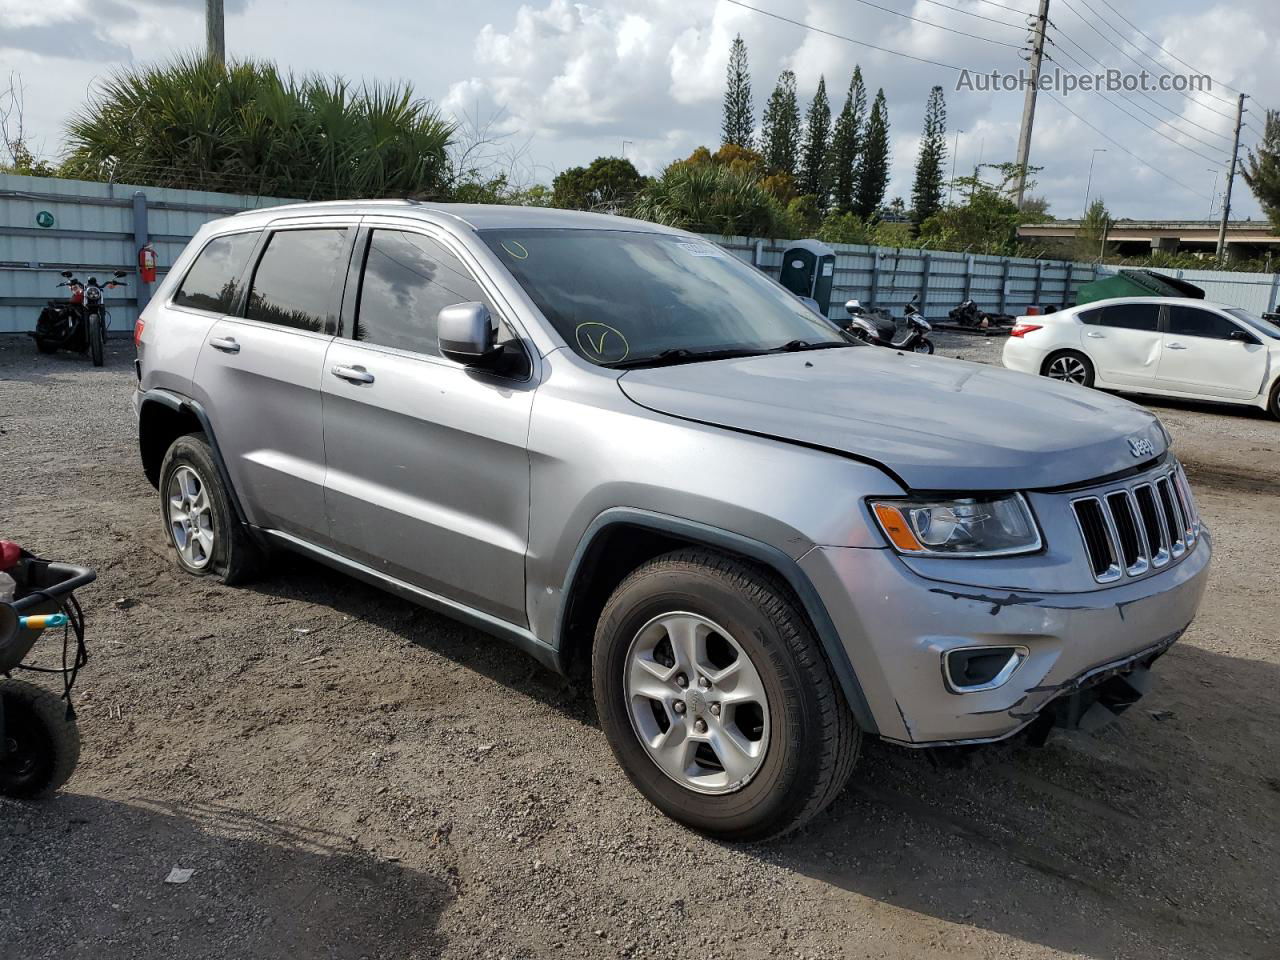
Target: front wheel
column 923, row 345
column 41, row 745
column 1273, row 405
column 97, row 337
column 717, row 699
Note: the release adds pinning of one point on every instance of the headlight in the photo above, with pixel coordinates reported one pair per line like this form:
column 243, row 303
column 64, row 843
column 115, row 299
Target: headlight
column 963, row 527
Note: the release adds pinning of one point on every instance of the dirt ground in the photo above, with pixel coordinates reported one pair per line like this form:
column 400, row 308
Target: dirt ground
column 351, row 776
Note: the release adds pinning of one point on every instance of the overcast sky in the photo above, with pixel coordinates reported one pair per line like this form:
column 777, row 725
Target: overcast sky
column 569, row 81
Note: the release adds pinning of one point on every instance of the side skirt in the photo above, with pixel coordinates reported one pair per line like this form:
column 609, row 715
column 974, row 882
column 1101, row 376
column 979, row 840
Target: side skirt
column 517, row 636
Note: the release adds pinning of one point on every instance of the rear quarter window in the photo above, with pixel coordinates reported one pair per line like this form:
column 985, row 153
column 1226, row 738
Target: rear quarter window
column 213, row 281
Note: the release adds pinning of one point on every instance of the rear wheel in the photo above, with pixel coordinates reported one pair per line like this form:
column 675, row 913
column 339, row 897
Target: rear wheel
column 97, row 337
column 924, row 345
column 46, row 346
column 42, row 746
column 1273, row 405
column 1069, row 366
column 717, row 699
column 200, row 523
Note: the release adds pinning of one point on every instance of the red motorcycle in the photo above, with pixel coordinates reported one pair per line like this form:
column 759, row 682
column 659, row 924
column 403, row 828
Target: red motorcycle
column 81, row 322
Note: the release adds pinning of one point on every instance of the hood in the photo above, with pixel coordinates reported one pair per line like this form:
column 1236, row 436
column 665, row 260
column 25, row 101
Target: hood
column 935, row 423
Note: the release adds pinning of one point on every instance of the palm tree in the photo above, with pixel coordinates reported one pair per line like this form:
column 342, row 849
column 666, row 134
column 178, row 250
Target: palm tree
column 245, row 127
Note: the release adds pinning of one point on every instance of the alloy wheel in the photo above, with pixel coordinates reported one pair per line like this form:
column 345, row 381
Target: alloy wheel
column 190, row 517
column 1069, row 370
column 696, row 702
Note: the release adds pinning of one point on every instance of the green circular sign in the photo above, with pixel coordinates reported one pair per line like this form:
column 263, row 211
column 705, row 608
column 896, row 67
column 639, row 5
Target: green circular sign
column 44, row 219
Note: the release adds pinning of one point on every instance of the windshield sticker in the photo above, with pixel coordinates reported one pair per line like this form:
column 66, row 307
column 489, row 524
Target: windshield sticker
column 702, row 250
column 828, row 268
column 515, row 249
column 601, row 342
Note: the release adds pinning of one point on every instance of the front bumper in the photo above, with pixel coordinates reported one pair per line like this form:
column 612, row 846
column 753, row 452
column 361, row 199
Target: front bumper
column 897, row 627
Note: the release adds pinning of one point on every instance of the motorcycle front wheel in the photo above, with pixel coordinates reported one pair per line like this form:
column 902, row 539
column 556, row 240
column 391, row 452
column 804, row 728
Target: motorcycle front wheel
column 924, row 346
column 97, row 336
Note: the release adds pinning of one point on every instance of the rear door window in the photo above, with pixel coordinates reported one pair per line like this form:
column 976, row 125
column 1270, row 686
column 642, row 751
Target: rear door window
column 1193, row 322
column 408, row 278
column 213, row 280
column 293, row 283
column 1132, row 316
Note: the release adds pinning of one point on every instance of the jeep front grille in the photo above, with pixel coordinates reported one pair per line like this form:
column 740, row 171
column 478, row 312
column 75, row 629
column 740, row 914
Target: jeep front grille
column 1138, row 526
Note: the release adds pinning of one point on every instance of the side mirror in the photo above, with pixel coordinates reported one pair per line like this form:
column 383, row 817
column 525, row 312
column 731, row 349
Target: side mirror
column 67, row 274
column 118, row 274
column 467, row 334
column 1242, row 336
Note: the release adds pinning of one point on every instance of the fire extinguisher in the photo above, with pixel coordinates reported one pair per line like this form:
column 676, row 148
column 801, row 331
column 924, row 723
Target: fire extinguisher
column 147, row 263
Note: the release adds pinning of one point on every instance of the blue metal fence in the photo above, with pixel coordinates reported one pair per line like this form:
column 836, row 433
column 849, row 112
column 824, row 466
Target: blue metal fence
column 49, row 225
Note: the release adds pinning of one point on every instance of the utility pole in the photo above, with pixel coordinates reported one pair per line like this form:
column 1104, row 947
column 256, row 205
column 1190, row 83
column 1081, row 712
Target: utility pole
column 954, row 153
column 1029, row 102
column 1089, row 185
column 1231, row 176
column 215, row 35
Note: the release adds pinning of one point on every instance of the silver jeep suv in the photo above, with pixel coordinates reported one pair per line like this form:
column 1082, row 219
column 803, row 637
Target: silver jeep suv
column 627, row 452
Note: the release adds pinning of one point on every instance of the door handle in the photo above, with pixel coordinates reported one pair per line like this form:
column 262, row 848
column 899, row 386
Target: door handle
column 225, row 344
column 1176, row 346
column 1096, row 335
column 353, row 374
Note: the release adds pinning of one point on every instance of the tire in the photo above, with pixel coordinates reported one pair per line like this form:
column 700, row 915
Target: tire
column 96, row 341
column 1068, row 366
column 43, row 745
column 807, row 739
column 1273, row 405
column 46, row 346
column 199, row 521
column 924, row 346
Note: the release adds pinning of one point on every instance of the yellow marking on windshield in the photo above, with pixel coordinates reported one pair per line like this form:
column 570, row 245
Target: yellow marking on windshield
column 597, row 339
column 516, row 249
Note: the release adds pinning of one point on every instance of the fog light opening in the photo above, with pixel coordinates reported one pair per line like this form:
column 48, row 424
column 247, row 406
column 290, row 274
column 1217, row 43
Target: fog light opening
column 975, row 669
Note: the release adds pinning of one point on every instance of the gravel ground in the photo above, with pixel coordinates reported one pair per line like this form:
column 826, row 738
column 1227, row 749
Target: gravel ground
column 350, row 776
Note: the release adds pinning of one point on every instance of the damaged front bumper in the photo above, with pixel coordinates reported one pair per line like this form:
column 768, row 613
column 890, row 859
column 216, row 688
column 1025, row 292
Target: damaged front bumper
column 1081, row 657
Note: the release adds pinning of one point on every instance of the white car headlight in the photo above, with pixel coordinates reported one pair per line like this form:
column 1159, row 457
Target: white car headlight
column 978, row 526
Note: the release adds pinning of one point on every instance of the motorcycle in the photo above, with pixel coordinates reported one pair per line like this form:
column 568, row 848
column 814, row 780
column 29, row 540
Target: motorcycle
column 81, row 322
column 880, row 331
column 39, row 741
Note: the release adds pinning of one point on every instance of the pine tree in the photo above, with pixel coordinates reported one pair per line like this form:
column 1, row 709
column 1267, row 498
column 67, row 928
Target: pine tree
column 780, row 133
column 926, row 194
column 739, row 113
column 873, row 170
column 817, row 147
column 1262, row 169
column 846, row 141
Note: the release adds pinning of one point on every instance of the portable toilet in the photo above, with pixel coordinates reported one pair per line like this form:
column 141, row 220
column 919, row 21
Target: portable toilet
column 808, row 270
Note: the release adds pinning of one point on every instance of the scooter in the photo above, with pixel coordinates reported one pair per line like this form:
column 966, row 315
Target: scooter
column 880, row 332
column 81, row 322
column 39, row 741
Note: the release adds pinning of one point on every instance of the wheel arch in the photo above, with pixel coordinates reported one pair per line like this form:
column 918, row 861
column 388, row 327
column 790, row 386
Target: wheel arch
column 621, row 539
column 164, row 416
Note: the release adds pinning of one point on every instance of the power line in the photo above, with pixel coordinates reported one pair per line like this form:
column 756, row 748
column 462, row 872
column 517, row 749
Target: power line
column 1003, row 6
column 979, row 16
column 1125, row 149
column 1153, row 42
column 1144, row 95
column 1124, row 53
column 937, row 26
column 840, row 36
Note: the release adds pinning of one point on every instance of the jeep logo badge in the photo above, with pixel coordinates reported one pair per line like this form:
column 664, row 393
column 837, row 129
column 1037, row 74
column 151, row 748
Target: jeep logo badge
column 1141, row 447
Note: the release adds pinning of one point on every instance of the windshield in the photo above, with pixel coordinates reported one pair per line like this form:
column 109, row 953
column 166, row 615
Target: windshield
column 620, row 297
column 1264, row 327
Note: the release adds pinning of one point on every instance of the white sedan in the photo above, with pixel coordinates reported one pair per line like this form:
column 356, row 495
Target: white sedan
column 1156, row 345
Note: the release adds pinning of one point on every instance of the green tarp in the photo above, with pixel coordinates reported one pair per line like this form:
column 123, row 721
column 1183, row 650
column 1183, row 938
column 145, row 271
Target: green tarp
column 1137, row 283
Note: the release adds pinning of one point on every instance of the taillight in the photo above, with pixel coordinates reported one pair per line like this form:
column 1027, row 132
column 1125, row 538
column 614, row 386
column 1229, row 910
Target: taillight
column 1022, row 329
column 137, row 331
